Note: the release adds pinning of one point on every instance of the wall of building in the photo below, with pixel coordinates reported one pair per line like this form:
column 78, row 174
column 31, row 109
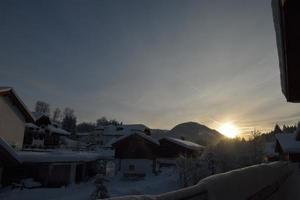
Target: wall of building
column 12, row 123
column 139, row 166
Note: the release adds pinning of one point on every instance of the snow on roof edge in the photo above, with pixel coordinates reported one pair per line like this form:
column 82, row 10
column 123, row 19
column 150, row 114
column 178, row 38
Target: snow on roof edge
column 149, row 138
column 9, row 149
column 184, row 143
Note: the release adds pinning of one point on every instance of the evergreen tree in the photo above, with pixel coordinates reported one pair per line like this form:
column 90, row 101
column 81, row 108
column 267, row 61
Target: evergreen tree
column 277, row 129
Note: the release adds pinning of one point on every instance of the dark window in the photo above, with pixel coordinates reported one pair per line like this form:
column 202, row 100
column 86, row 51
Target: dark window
column 120, row 128
column 131, row 167
column 41, row 136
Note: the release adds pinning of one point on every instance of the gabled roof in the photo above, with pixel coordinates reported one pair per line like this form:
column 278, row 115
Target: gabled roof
column 184, row 143
column 8, row 91
column 144, row 136
column 288, row 142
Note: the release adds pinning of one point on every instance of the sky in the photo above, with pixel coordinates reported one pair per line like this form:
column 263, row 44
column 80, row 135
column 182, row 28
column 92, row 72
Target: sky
column 154, row 62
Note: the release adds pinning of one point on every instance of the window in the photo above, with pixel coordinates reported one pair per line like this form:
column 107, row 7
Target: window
column 131, row 167
column 41, row 136
column 119, row 128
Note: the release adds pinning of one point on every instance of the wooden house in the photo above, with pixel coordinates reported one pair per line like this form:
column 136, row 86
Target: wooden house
column 288, row 146
column 135, row 154
column 43, row 133
column 105, row 135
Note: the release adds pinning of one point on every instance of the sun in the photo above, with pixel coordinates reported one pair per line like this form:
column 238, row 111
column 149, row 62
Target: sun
column 229, row 130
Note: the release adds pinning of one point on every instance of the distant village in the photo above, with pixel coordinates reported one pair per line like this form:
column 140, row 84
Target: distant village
column 34, row 146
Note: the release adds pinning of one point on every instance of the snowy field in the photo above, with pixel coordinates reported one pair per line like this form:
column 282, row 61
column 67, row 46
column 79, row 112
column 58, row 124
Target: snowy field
column 117, row 186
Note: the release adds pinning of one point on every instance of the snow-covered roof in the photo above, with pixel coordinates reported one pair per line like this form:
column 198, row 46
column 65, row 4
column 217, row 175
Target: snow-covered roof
column 31, row 125
column 146, row 137
column 5, row 89
column 7, row 148
column 288, row 142
column 185, row 143
column 57, row 156
column 120, row 130
column 58, row 130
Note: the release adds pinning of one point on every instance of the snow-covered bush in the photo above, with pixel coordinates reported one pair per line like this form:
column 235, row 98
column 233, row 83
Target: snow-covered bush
column 100, row 191
column 191, row 170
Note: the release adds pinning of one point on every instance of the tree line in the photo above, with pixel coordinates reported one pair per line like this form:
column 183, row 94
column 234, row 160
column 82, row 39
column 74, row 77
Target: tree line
column 68, row 120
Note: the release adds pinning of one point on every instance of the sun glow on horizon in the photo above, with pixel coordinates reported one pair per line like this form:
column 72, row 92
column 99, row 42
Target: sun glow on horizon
column 229, row 130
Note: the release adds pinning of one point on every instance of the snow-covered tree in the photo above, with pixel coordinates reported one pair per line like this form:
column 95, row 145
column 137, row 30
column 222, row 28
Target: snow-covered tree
column 100, row 191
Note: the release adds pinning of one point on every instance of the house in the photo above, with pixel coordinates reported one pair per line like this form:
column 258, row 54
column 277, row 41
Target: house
column 13, row 118
column 135, row 155
column 288, row 146
column 83, row 137
column 50, row 168
column 44, row 133
column 171, row 148
column 105, row 135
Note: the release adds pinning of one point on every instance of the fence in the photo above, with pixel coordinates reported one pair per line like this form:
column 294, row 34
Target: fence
column 256, row 182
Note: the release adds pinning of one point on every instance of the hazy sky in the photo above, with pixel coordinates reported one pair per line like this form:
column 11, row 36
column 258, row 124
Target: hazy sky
column 154, row 62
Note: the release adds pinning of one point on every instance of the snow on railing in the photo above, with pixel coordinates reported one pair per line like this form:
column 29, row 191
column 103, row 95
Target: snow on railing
column 254, row 182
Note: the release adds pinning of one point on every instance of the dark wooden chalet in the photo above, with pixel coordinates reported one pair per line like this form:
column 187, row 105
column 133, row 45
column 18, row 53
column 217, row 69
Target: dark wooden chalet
column 136, row 154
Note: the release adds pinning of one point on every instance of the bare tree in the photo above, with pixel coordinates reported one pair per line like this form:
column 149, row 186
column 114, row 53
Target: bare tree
column 69, row 120
column 256, row 146
column 56, row 115
column 42, row 107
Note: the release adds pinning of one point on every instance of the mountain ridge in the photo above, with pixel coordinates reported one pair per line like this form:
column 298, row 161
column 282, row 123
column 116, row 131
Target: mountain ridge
column 191, row 131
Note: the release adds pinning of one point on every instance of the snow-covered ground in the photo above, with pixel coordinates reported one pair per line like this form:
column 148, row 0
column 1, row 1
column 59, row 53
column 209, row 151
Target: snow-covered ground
column 166, row 181
column 117, row 186
column 75, row 192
